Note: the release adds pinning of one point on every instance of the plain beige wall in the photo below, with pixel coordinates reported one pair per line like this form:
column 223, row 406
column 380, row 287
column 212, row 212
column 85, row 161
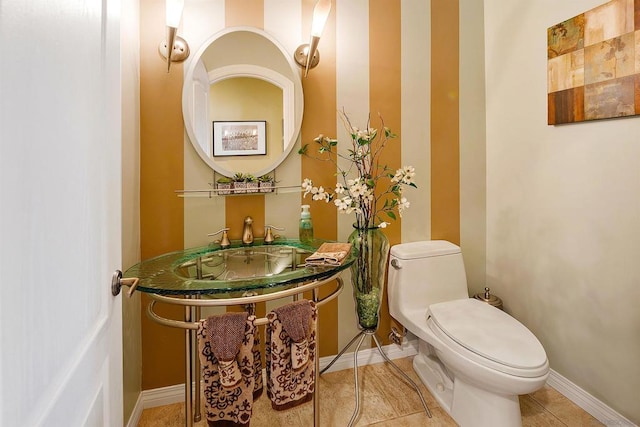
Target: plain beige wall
column 472, row 145
column 563, row 211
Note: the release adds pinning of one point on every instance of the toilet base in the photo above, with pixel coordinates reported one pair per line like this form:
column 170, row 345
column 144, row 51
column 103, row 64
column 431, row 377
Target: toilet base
column 473, row 406
column 432, row 375
column 467, row 404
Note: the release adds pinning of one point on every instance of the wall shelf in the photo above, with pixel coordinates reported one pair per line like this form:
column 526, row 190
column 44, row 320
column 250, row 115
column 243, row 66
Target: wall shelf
column 215, row 192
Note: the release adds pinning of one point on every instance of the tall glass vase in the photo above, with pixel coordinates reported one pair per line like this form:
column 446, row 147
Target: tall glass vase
column 368, row 274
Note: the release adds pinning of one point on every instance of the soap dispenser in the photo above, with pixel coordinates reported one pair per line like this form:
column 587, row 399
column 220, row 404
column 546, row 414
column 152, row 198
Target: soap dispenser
column 306, row 226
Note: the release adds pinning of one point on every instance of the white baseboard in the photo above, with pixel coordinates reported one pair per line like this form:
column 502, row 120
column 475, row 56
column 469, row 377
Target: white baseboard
column 370, row 356
column 599, row 410
column 154, row 398
column 134, row 419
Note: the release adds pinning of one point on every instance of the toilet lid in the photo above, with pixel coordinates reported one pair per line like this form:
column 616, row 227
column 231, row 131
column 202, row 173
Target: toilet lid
column 488, row 332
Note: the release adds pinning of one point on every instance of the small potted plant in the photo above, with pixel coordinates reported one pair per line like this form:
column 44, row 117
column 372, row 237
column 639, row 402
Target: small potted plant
column 252, row 183
column 266, row 183
column 239, row 183
column 223, row 184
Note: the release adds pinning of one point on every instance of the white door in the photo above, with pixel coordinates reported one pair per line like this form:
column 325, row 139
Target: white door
column 60, row 328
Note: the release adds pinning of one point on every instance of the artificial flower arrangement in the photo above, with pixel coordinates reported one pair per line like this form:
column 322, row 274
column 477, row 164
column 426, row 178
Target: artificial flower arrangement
column 356, row 193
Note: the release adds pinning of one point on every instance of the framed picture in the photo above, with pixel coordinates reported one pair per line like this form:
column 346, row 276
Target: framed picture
column 593, row 69
column 239, row 138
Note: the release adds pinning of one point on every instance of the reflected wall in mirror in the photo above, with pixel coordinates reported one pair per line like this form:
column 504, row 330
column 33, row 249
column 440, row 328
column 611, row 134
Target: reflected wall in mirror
column 243, row 74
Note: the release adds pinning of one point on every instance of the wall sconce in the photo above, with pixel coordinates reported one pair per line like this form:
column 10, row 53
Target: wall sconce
column 307, row 55
column 179, row 48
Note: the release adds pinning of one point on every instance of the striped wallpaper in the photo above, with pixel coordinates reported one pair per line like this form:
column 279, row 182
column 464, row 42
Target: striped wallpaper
column 376, row 57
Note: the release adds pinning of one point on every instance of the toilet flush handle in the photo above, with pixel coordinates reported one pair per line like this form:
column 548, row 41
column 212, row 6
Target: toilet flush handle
column 396, row 264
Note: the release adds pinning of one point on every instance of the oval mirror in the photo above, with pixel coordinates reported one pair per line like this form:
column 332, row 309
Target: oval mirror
column 242, row 102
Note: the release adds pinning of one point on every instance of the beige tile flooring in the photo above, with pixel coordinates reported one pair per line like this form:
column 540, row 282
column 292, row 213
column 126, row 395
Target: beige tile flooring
column 385, row 401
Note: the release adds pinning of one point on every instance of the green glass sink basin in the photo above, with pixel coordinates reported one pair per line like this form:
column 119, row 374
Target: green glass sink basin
column 211, row 270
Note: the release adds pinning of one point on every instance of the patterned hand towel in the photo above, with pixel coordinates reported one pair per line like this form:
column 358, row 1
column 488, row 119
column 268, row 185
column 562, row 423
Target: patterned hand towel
column 329, row 254
column 228, row 391
column 290, row 354
column 257, row 355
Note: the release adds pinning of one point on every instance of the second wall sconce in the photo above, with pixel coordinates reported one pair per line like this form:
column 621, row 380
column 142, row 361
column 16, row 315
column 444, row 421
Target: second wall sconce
column 179, row 48
column 307, row 55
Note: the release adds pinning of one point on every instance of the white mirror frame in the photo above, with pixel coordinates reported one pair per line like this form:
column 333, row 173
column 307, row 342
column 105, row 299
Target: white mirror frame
column 293, row 99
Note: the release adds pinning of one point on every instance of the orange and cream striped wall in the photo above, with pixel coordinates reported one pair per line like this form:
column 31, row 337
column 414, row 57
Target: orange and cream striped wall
column 399, row 59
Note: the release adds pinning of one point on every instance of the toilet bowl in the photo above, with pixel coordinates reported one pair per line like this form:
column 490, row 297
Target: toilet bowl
column 474, row 358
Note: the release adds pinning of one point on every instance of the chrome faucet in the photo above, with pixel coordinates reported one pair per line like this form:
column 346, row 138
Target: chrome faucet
column 247, row 231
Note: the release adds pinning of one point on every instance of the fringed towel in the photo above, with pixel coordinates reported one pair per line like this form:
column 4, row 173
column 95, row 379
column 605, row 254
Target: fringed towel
column 291, row 353
column 329, row 254
column 226, row 345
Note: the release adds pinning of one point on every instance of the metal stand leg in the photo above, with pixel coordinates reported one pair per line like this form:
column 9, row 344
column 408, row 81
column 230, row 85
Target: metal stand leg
column 197, row 416
column 355, row 378
column 187, row 374
column 405, row 376
column 341, row 353
column 316, row 391
column 362, row 334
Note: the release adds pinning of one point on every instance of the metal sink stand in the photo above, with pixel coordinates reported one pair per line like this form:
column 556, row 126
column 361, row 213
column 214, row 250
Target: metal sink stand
column 190, row 326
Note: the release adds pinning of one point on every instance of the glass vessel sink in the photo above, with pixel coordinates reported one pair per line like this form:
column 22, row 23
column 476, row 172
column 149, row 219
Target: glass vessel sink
column 211, row 270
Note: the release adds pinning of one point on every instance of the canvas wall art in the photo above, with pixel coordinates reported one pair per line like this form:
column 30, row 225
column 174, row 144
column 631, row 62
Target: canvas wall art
column 593, row 64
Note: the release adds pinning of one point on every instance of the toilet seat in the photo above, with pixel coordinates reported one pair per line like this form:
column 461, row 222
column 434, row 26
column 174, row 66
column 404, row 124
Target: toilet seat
column 488, row 336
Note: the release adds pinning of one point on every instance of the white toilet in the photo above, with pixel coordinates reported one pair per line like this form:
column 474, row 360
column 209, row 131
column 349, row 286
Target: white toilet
column 475, row 359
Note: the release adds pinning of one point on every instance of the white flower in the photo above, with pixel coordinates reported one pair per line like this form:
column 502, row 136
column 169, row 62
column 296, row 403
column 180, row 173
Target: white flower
column 319, row 193
column 409, row 173
column 339, row 188
column 383, row 224
column 404, row 175
column 307, row 186
column 402, row 205
column 343, row 204
column 359, row 189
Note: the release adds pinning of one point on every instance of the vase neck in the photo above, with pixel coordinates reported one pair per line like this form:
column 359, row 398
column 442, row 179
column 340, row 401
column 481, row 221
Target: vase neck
column 373, row 227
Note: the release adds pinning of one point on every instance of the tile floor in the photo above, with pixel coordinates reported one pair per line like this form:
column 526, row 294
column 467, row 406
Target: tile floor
column 385, row 401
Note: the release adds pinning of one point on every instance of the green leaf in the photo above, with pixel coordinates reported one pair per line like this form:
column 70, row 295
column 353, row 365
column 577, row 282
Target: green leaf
column 413, row 185
column 391, row 215
column 303, row 149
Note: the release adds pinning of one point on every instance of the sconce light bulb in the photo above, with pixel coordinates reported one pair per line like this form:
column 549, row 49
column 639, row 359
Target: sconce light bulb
column 320, row 15
column 307, row 56
column 174, row 12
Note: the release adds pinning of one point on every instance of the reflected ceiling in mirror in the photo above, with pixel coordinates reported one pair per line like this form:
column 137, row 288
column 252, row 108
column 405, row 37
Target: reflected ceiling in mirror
column 243, row 74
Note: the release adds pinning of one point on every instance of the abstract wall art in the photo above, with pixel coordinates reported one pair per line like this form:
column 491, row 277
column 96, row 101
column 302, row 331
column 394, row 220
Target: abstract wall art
column 593, row 64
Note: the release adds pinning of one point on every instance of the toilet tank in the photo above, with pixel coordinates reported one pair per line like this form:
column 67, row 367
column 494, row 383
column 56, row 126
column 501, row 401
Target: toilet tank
column 425, row 273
